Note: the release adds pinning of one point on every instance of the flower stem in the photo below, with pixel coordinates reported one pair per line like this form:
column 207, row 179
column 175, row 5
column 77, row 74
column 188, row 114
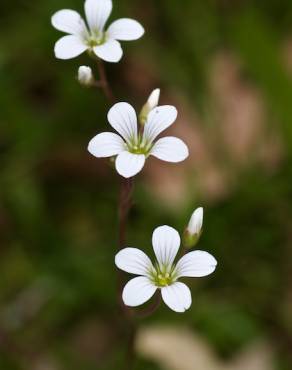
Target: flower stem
column 124, row 206
column 130, row 355
column 151, row 308
column 125, row 203
column 103, row 82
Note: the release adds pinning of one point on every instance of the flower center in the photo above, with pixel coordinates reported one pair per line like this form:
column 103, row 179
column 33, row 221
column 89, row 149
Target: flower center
column 96, row 38
column 139, row 146
column 163, row 276
column 163, row 279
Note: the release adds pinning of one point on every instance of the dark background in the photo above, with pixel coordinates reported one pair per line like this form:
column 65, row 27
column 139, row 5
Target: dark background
column 227, row 66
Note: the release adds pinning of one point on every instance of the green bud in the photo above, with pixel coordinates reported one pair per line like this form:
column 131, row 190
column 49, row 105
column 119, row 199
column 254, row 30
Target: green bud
column 190, row 240
column 193, row 231
column 151, row 103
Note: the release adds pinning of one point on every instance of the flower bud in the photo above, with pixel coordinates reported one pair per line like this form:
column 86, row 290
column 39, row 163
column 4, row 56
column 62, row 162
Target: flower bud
column 194, row 229
column 151, row 103
column 153, row 99
column 85, row 76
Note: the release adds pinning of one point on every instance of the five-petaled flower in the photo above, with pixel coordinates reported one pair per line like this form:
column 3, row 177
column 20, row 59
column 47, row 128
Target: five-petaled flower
column 164, row 274
column 94, row 38
column 133, row 146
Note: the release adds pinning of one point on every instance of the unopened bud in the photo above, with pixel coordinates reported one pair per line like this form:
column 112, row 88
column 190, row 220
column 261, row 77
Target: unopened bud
column 194, row 229
column 151, row 103
column 85, row 76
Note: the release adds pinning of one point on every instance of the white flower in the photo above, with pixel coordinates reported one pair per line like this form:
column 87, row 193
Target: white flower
column 164, row 274
column 196, row 222
column 92, row 36
column 85, row 76
column 133, row 147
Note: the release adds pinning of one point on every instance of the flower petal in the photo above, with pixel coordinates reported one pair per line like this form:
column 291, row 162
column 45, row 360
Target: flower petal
column 129, row 164
column 166, row 242
column 97, row 13
column 69, row 47
column 134, row 261
column 125, row 29
column 110, row 51
column 158, row 120
column 177, row 297
column 170, row 149
column 106, row 144
column 69, row 21
column 138, row 291
column 122, row 117
column 196, row 264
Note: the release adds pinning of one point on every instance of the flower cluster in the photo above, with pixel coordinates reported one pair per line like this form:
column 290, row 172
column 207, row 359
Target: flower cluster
column 164, row 274
column 136, row 140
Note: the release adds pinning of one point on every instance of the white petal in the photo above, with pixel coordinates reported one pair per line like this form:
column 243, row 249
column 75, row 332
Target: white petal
column 170, row 149
column 158, row 120
column 166, row 242
column 106, row 144
column 69, row 21
column 196, row 221
column 122, row 117
column 196, row 264
column 138, row 291
column 134, row 261
column 97, row 13
column 129, row 164
column 125, row 29
column 177, row 297
column 69, row 47
column 110, row 51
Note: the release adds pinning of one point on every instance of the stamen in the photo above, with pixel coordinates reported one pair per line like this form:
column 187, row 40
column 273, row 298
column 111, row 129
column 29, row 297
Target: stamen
column 140, row 147
column 96, row 38
column 162, row 277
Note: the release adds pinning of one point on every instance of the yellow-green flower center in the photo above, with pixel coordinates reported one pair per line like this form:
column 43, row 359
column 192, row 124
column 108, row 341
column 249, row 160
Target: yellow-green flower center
column 163, row 280
column 163, row 276
column 139, row 146
column 96, row 39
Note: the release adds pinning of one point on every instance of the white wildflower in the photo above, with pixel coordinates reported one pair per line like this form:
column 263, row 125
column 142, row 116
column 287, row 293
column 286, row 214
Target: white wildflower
column 164, row 274
column 93, row 36
column 133, row 147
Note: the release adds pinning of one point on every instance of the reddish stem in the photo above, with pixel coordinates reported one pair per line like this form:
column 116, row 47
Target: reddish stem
column 103, row 82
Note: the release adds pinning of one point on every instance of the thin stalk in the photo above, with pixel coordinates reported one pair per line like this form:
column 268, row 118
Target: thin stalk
column 103, row 82
column 124, row 206
column 130, row 355
column 149, row 310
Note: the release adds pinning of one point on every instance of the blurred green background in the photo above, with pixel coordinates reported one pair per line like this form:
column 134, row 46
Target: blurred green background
column 227, row 66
